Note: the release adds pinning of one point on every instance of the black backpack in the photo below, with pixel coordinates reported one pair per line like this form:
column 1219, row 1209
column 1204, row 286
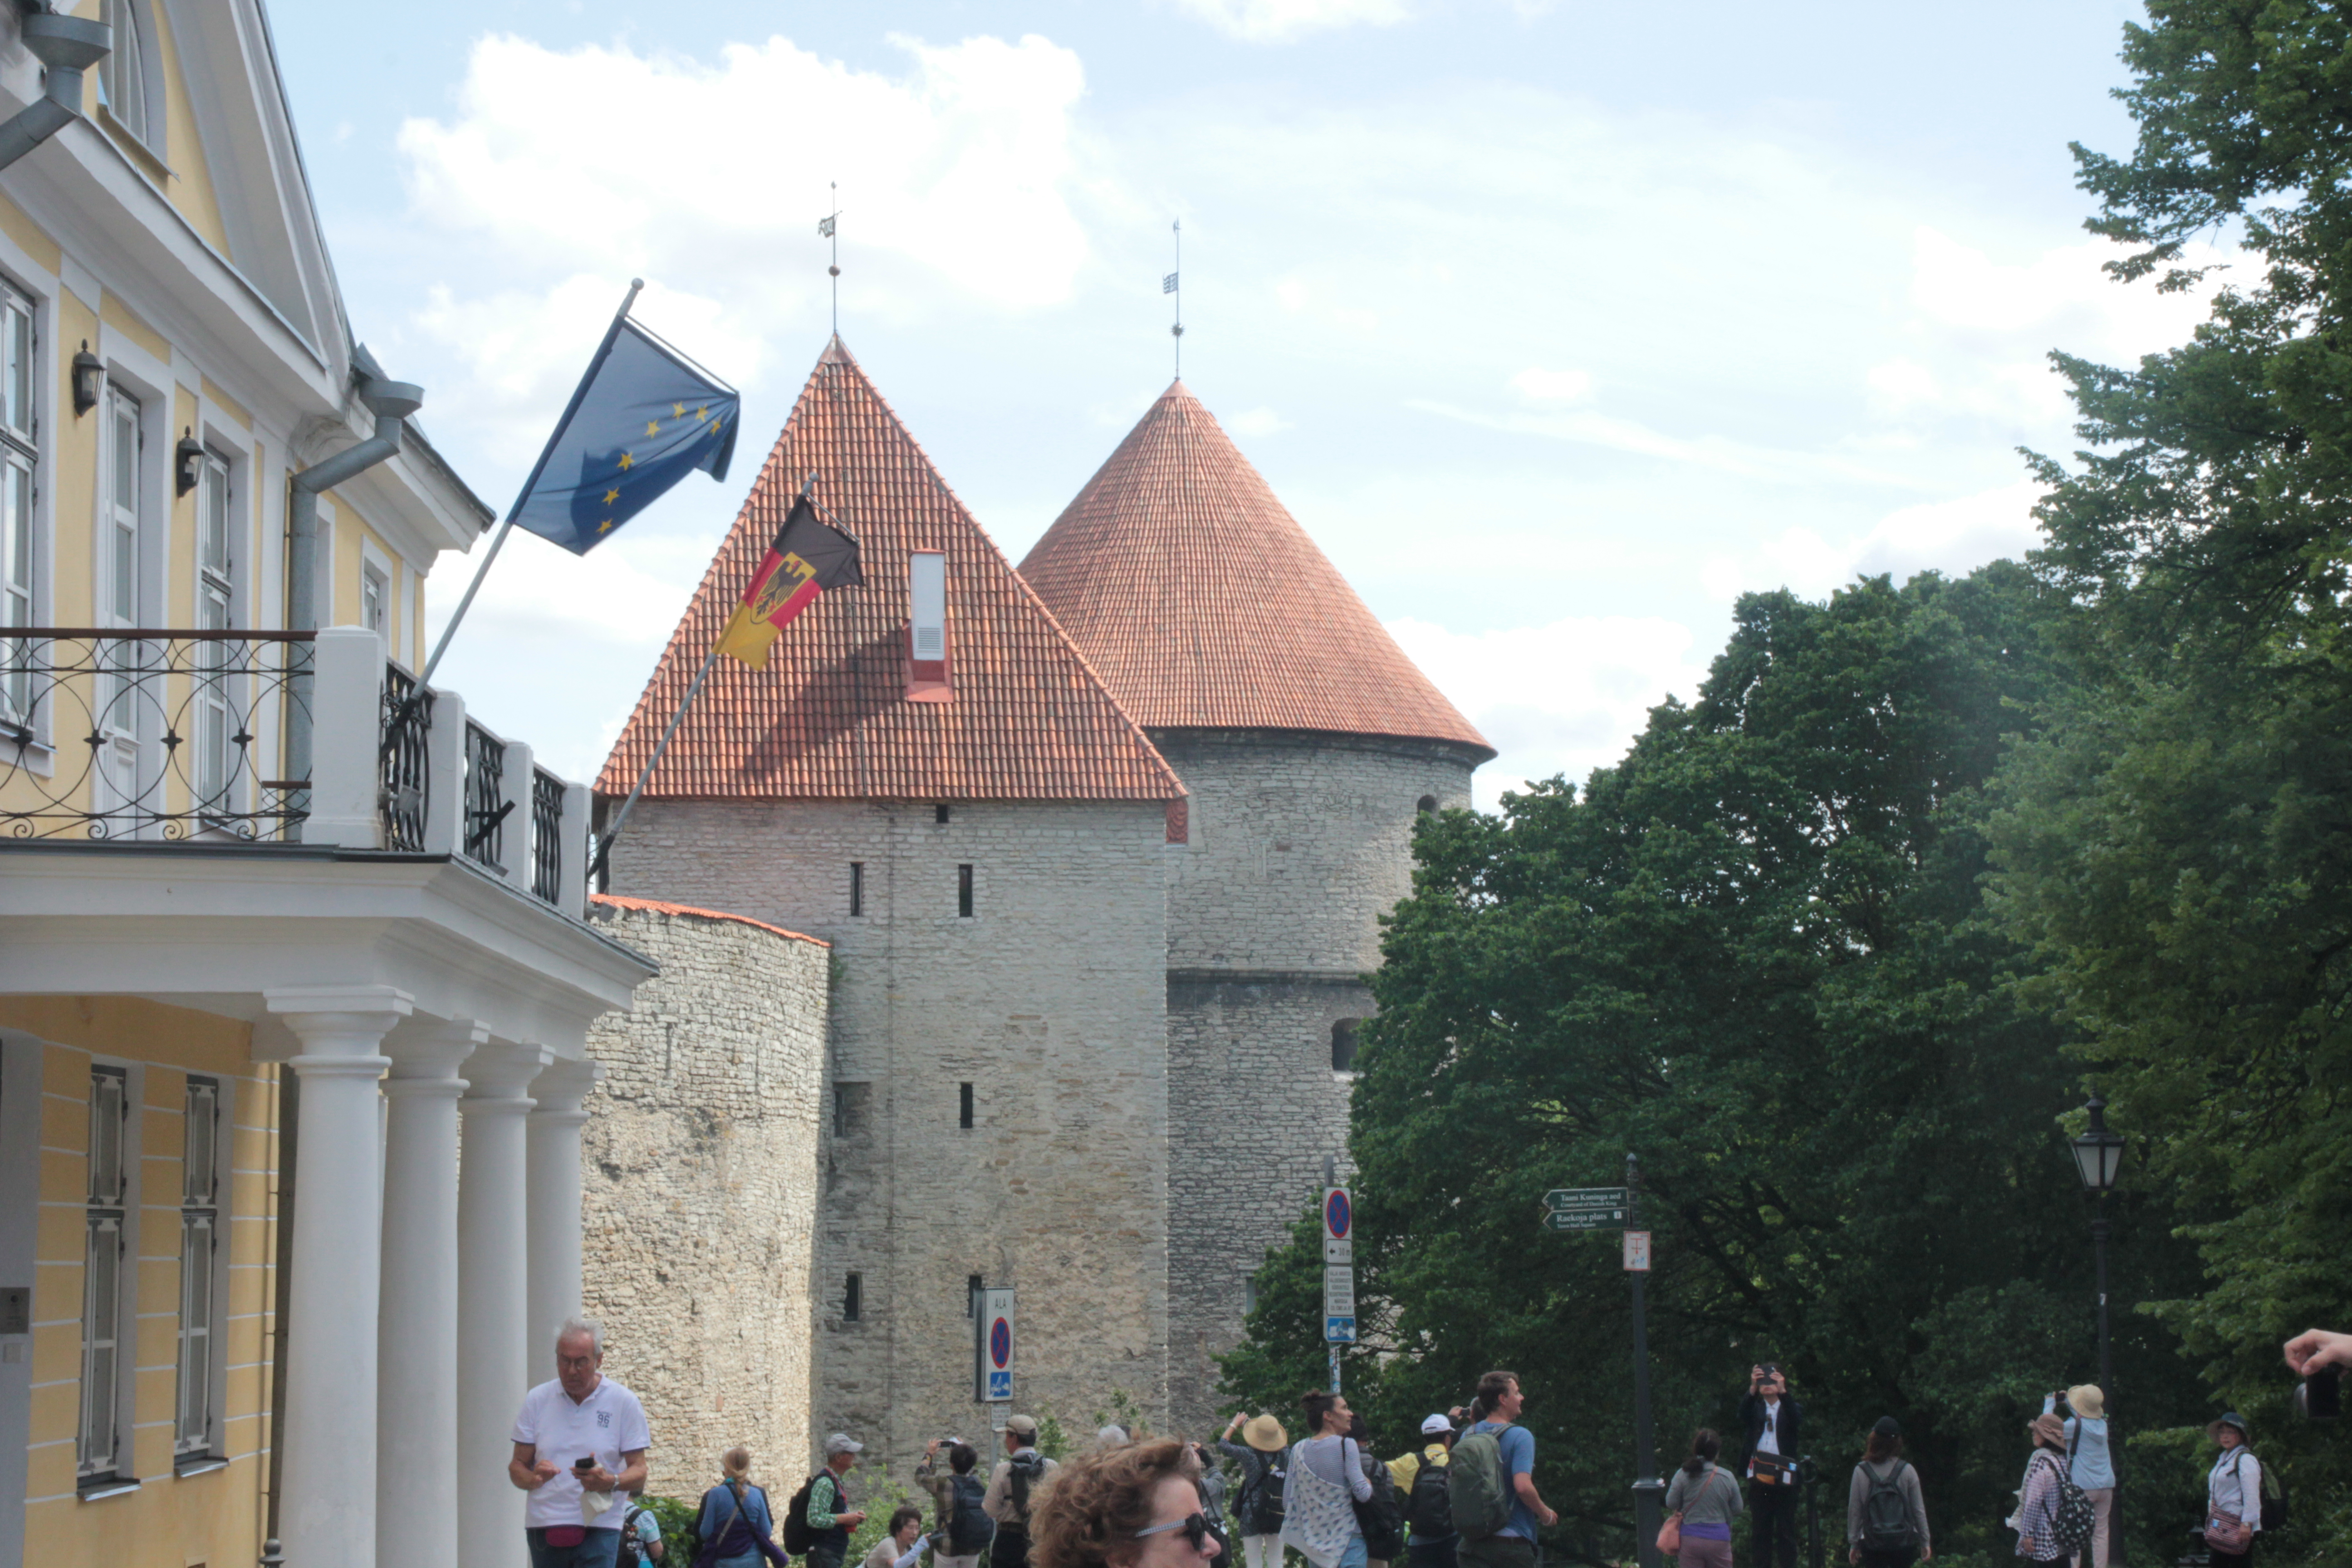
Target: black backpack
column 633, row 1551
column 1027, row 1467
column 1887, row 1513
column 969, row 1529
column 2273, row 1498
column 1429, row 1506
column 798, row 1536
column 1381, row 1524
column 1260, row 1508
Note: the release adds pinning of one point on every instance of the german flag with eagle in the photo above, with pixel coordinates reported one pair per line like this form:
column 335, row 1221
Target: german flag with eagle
column 806, row 557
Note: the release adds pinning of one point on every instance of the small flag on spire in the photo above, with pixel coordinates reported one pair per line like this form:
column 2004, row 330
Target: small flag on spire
column 824, row 228
column 1168, row 284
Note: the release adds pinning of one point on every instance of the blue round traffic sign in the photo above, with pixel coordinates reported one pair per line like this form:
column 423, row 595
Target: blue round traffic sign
column 1000, row 1343
column 1336, row 1217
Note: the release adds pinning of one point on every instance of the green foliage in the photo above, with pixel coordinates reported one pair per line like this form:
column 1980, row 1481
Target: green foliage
column 1052, row 1443
column 676, row 1522
column 879, row 1498
column 1755, row 952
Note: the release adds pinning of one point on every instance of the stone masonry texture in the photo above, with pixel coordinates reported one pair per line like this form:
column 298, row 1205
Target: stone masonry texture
column 699, row 1189
column 1051, row 1001
column 1297, row 845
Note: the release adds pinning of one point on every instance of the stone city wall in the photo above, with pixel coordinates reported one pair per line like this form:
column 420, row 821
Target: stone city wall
column 699, row 1176
column 1050, row 1001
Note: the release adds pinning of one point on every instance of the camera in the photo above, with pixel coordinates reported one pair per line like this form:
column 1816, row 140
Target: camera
column 2320, row 1395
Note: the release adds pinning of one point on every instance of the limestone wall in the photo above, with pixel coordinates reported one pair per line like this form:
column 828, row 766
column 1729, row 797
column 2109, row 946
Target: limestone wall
column 1050, row 1001
column 699, row 1177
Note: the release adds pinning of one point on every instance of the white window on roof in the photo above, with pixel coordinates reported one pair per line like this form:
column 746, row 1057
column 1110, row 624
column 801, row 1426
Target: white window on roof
column 375, row 600
column 122, row 75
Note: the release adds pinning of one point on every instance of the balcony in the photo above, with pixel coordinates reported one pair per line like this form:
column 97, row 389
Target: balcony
column 163, row 737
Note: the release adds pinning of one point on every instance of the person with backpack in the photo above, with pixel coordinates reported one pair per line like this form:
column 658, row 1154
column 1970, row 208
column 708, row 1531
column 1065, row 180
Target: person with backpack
column 1491, row 1475
column 1703, row 1499
column 1262, row 1453
column 734, row 1525
column 2233, row 1495
column 1014, row 1491
column 959, row 1513
column 818, row 1522
column 1326, row 1482
column 1775, row 1425
column 641, row 1540
column 1209, row 1480
column 2088, row 1459
column 905, row 1545
column 1886, row 1517
column 2053, row 1518
column 1382, row 1519
column 1431, row 1539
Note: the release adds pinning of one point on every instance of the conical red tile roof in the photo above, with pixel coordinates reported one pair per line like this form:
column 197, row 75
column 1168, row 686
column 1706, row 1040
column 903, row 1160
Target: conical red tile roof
column 1204, row 605
column 828, row 719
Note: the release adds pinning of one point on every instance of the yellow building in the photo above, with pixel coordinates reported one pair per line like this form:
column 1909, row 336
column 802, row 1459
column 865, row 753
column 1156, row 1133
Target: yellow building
column 240, row 1303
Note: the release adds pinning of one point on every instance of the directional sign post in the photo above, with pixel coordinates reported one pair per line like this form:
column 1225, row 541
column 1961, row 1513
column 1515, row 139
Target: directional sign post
column 1339, row 1274
column 992, row 1347
column 1619, row 1208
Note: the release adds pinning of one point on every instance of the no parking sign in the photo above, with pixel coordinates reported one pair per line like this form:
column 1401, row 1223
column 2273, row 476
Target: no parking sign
column 994, row 1346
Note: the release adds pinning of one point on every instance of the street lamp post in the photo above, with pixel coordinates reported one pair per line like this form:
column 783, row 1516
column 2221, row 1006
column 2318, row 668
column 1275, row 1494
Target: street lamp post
column 2098, row 1155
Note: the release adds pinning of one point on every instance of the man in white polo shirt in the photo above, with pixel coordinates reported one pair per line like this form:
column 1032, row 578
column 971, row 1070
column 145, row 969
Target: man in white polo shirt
column 579, row 1450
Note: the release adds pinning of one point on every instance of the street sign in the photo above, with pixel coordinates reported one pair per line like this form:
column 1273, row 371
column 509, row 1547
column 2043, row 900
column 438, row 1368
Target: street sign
column 1339, row 1215
column 998, row 1415
column 1586, row 1219
column 1338, row 1292
column 995, row 1332
column 1585, row 1198
column 1637, row 1252
column 1338, row 1251
column 1339, row 1266
column 1340, row 1331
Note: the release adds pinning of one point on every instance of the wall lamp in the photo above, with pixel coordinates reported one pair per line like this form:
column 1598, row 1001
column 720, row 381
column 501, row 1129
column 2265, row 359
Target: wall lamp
column 88, row 375
column 187, row 462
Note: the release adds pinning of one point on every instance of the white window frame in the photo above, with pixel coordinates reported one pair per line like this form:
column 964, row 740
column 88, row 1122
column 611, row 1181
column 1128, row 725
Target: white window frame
column 110, row 1200
column 196, row 1412
column 128, row 76
column 221, row 689
column 20, row 552
column 375, row 602
column 122, row 541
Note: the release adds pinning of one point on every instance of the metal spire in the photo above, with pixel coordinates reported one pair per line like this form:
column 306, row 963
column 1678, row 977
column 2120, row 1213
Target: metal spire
column 1173, row 284
column 829, row 227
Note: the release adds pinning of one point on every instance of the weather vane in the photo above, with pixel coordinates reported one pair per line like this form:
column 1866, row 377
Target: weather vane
column 829, row 227
column 1169, row 285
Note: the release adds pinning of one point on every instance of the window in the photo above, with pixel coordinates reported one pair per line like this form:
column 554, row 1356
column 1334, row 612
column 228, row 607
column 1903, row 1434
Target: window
column 215, row 695
column 963, row 1114
column 1249, row 1294
column 106, row 1205
column 1426, row 805
column 1343, row 1045
column 199, row 1271
column 18, row 451
column 926, row 626
column 849, row 1110
column 857, row 887
column 117, row 588
column 375, row 600
column 964, row 892
column 853, row 1299
column 123, row 75
column 939, row 814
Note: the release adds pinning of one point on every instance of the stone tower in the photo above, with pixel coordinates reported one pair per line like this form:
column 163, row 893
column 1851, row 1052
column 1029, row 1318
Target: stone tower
column 1307, row 744
column 980, row 838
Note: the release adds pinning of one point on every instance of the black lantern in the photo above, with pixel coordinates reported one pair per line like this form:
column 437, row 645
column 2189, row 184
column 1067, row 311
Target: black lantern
column 88, row 375
column 187, row 462
column 2098, row 1153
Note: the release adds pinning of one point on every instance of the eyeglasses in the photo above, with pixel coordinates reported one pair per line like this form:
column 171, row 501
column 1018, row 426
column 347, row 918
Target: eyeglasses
column 1195, row 1526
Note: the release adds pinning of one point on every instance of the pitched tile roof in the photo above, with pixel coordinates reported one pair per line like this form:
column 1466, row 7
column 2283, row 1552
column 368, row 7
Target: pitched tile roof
column 1204, row 605
column 829, row 719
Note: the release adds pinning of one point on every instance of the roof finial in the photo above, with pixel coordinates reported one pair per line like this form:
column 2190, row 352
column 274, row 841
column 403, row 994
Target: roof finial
column 829, row 227
column 1169, row 285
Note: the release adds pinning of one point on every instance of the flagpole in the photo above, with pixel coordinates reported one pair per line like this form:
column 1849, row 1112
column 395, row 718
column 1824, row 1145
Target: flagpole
column 645, row 774
column 424, row 676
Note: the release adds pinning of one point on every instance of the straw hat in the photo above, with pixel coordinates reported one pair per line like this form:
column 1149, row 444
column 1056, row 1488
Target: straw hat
column 1264, row 1434
column 2084, row 1399
column 2048, row 1430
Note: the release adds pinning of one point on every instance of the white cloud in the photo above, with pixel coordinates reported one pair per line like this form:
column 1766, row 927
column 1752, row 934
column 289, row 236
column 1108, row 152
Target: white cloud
column 1256, row 421
column 1565, row 698
column 1554, row 386
column 1955, row 537
column 1279, row 21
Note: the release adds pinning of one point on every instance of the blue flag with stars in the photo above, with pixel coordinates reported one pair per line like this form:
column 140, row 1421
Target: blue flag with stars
column 644, row 417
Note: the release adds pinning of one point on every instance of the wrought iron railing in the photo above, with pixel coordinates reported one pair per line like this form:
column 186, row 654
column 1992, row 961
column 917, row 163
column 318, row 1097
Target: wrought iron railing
column 402, row 792
column 147, row 734
column 485, row 797
column 546, row 836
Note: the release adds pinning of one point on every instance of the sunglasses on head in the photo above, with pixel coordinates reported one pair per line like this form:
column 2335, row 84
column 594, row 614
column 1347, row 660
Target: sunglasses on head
column 1195, row 1526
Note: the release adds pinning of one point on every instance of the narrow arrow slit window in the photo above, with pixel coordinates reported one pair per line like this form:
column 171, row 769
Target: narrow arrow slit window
column 926, row 626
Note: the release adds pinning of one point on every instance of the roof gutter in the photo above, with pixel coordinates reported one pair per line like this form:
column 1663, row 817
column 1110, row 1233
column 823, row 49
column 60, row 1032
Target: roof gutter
column 65, row 46
column 391, row 402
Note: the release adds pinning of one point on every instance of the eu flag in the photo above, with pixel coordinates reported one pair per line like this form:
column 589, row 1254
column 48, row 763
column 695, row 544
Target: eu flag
column 644, row 416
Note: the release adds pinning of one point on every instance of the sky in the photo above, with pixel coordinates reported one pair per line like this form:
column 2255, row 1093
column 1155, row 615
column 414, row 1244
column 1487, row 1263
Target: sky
column 1558, row 324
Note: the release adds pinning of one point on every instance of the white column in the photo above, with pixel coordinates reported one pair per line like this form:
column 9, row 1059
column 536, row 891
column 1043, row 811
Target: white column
column 555, row 1126
column 514, row 793
column 417, row 1345
column 347, row 695
column 327, row 1515
column 494, row 1360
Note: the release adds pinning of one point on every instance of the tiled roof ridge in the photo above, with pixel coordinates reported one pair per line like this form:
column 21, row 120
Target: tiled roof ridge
column 1204, row 605
column 655, row 906
column 1031, row 718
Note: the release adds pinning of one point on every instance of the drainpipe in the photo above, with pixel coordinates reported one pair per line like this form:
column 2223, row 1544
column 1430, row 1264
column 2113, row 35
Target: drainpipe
column 67, row 46
column 391, row 402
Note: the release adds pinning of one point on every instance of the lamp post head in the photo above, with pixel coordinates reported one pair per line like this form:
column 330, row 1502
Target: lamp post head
column 2098, row 1152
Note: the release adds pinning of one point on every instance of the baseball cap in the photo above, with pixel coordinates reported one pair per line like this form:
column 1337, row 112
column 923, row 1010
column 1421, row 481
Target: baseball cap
column 841, row 1443
column 1435, row 1425
column 1021, row 1425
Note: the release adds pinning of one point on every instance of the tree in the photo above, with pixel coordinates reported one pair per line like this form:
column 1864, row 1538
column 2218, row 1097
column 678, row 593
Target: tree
column 1755, row 952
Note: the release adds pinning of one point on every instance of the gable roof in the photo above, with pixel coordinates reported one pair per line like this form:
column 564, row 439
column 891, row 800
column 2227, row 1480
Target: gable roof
column 829, row 719
column 1205, row 605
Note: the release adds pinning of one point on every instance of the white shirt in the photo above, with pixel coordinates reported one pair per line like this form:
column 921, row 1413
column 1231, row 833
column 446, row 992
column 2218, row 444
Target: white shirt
column 2235, row 1486
column 604, row 1426
column 1769, row 1440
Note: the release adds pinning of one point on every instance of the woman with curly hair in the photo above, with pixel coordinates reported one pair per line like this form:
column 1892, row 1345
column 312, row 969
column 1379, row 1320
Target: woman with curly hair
column 1134, row 1506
